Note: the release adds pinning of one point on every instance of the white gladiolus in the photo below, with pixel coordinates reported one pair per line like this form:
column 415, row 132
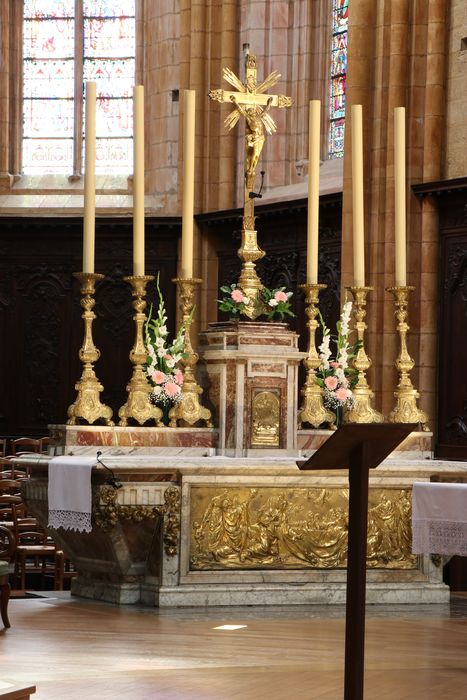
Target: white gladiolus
column 345, row 318
column 325, row 351
column 342, row 357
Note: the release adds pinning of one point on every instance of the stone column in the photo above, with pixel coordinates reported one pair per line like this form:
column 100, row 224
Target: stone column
column 5, row 28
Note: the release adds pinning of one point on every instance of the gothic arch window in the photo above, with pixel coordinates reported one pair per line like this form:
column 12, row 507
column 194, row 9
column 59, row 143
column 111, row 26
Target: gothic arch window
column 340, row 10
column 65, row 44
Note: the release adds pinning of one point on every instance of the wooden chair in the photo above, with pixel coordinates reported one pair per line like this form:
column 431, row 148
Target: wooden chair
column 9, row 470
column 64, row 570
column 7, row 548
column 3, row 444
column 25, row 445
column 35, row 554
column 11, row 486
column 9, row 505
column 44, row 445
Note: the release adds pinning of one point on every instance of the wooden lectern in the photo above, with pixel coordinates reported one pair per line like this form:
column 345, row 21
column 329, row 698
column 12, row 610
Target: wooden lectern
column 358, row 448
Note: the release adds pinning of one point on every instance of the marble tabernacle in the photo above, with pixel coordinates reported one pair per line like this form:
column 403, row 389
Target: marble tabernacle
column 250, row 378
column 212, row 530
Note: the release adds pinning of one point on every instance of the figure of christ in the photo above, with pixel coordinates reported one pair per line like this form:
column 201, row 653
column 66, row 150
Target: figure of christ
column 254, row 137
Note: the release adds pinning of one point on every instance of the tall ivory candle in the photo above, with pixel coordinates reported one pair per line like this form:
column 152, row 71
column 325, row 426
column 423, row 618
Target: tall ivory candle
column 138, row 180
column 399, row 197
column 313, row 192
column 89, row 179
column 357, row 197
column 189, row 102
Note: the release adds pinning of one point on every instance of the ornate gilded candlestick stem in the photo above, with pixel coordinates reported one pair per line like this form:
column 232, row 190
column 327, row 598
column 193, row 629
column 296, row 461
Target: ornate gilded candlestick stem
column 138, row 406
column 312, row 409
column 249, row 253
column 362, row 410
column 88, row 405
column 406, row 409
column 188, row 409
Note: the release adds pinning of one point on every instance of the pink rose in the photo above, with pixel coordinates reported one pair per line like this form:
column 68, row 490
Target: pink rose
column 331, row 383
column 167, row 356
column 342, row 394
column 158, row 377
column 237, row 296
column 334, row 364
column 171, row 389
column 178, row 377
column 280, row 296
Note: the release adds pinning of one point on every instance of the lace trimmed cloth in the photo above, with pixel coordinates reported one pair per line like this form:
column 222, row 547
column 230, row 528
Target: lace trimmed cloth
column 70, row 498
column 439, row 518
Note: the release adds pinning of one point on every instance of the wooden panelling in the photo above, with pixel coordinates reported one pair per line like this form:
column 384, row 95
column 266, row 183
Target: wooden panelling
column 40, row 324
column 452, row 382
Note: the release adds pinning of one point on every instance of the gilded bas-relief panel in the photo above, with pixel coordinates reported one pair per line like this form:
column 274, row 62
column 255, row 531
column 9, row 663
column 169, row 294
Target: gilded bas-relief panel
column 265, row 419
column 294, row 528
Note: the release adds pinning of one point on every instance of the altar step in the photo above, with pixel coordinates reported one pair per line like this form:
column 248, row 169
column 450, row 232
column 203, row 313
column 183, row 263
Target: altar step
column 297, row 594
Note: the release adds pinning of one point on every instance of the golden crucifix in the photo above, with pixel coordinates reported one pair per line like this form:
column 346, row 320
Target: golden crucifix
column 251, row 102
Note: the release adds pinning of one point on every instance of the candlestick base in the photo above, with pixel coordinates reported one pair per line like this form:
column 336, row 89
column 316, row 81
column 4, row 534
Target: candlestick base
column 138, row 405
column 406, row 409
column 362, row 411
column 87, row 405
column 312, row 410
column 189, row 409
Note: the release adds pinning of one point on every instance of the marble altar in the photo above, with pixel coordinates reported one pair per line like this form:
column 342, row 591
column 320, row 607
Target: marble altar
column 206, row 529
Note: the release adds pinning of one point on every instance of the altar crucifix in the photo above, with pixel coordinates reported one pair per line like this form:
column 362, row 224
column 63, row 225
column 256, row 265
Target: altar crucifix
column 252, row 102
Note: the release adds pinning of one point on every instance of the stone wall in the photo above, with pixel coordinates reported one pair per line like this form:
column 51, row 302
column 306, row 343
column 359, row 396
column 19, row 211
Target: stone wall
column 455, row 160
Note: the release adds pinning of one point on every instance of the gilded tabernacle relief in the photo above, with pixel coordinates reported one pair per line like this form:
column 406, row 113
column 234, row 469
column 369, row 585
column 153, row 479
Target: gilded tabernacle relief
column 295, row 528
column 265, row 419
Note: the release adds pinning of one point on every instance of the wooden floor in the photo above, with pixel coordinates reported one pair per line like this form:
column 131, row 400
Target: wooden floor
column 73, row 649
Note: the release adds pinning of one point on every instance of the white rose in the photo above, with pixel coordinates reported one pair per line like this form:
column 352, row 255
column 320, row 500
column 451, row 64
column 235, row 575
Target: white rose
column 273, row 302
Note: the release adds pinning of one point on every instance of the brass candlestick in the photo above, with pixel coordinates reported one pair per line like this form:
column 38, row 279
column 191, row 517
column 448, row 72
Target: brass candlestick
column 87, row 404
column 312, row 409
column 362, row 411
column 188, row 409
column 138, row 405
column 406, row 409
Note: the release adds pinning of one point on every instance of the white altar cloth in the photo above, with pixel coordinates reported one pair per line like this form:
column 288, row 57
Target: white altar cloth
column 69, row 491
column 439, row 518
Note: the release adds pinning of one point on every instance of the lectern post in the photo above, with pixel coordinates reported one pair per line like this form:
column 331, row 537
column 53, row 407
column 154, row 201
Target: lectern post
column 358, row 448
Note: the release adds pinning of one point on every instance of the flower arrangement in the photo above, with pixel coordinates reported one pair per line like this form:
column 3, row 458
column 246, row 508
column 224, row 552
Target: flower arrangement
column 234, row 301
column 161, row 365
column 277, row 301
column 335, row 375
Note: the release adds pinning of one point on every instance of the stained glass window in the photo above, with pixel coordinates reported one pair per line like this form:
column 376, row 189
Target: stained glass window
column 53, row 75
column 338, row 76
